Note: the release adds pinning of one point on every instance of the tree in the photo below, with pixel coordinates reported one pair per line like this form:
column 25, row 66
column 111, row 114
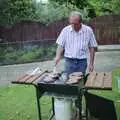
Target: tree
column 45, row 12
column 12, row 11
column 103, row 7
column 78, row 3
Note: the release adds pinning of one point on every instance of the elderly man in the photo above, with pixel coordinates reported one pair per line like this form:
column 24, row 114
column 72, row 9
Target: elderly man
column 75, row 40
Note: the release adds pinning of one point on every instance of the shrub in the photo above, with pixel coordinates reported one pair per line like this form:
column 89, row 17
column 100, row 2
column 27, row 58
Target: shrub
column 9, row 49
column 27, row 57
column 11, row 55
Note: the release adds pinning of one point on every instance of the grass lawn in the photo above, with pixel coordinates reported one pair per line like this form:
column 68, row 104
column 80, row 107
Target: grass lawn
column 17, row 102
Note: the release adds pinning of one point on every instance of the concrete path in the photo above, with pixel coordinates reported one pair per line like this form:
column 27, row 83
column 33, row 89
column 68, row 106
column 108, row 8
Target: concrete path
column 102, row 48
column 104, row 61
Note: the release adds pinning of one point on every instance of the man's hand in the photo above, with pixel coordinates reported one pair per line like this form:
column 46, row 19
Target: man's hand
column 90, row 68
column 57, row 59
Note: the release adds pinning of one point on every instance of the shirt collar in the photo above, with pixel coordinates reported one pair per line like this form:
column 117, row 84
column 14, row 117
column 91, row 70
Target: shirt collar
column 81, row 30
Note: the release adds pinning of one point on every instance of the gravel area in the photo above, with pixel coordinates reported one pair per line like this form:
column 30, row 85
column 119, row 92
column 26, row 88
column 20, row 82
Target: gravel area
column 104, row 61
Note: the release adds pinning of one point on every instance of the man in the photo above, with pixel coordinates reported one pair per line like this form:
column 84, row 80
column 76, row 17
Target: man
column 75, row 40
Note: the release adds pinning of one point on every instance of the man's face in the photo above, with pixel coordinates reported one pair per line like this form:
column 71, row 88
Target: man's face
column 75, row 21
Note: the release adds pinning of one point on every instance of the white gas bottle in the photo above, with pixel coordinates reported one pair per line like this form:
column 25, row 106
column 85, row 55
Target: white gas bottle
column 63, row 109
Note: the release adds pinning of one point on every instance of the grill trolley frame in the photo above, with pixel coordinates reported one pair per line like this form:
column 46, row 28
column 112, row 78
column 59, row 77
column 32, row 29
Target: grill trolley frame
column 53, row 90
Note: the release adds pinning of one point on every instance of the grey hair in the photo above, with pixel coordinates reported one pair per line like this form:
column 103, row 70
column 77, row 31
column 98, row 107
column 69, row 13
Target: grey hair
column 76, row 13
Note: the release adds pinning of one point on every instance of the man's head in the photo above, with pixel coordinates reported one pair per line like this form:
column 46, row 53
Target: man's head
column 75, row 20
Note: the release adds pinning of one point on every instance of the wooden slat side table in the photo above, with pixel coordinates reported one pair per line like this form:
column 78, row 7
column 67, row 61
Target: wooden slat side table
column 98, row 82
column 101, row 80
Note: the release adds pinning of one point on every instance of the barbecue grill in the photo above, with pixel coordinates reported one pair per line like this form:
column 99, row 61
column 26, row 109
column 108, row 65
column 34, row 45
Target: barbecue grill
column 95, row 81
column 56, row 88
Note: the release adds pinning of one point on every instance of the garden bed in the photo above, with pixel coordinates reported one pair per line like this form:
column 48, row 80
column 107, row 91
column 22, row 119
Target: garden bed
column 12, row 55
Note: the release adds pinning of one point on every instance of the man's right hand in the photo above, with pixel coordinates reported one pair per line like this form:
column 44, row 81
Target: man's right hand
column 57, row 59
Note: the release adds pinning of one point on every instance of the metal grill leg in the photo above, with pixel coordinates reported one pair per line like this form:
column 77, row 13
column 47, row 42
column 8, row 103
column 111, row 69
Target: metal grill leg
column 86, row 109
column 53, row 107
column 80, row 107
column 78, row 104
column 38, row 104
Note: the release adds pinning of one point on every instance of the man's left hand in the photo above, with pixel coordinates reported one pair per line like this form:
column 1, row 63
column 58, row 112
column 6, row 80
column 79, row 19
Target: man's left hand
column 90, row 68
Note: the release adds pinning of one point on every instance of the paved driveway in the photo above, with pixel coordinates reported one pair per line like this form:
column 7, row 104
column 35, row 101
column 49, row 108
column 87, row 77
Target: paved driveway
column 104, row 61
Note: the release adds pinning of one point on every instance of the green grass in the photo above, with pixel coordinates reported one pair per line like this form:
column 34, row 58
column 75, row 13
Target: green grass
column 18, row 102
column 115, row 73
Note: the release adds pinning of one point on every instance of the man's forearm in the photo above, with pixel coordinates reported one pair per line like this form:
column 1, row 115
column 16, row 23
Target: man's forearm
column 58, row 54
column 59, row 51
column 91, row 62
column 92, row 54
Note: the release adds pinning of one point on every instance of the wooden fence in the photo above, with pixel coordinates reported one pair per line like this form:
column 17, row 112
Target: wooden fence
column 106, row 28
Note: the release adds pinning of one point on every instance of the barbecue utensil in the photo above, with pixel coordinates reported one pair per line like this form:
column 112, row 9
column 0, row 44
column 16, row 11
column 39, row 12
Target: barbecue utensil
column 55, row 69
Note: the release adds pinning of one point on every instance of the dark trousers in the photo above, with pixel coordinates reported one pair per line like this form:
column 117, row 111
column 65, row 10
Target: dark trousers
column 76, row 65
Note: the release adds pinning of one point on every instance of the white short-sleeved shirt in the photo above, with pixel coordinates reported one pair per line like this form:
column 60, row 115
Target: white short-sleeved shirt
column 76, row 44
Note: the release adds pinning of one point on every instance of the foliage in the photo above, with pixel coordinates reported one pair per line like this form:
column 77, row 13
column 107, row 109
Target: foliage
column 95, row 7
column 79, row 3
column 103, row 7
column 12, row 55
column 55, row 11
column 12, row 11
